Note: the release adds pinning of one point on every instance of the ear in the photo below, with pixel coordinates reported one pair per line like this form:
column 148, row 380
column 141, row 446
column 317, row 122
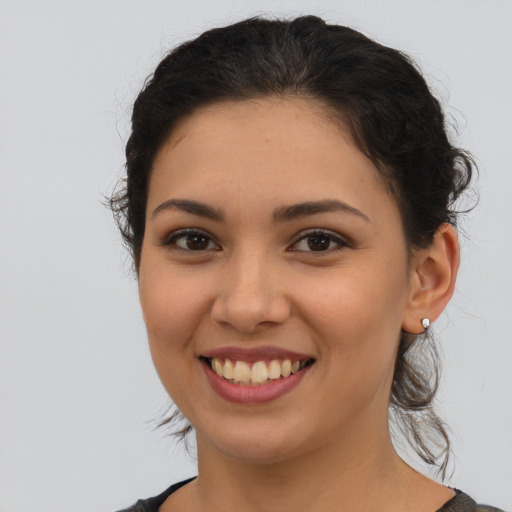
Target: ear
column 432, row 279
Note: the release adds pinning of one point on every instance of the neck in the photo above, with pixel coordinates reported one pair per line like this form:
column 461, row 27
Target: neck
column 345, row 477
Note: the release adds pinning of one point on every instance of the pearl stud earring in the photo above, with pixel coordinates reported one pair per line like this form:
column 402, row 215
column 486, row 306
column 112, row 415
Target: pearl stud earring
column 425, row 322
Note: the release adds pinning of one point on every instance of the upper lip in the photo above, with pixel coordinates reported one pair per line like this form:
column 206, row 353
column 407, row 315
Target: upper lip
column 251, row 355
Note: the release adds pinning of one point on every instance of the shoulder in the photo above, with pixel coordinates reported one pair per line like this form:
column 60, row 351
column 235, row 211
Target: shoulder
column 153, row 504
column 138, row 507
column 461, row 502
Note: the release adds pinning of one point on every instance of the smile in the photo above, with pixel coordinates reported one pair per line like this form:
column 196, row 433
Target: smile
column 247, row 377
column 258, row 373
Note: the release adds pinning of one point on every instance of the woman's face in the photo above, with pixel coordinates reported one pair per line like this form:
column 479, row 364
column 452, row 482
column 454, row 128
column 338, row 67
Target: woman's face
column 271, row 237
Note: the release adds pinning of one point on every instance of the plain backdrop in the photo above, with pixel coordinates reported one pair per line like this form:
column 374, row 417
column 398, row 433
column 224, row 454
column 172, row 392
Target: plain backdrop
column 79, row 398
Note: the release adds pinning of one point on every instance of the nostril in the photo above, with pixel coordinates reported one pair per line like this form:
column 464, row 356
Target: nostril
column 250, row 315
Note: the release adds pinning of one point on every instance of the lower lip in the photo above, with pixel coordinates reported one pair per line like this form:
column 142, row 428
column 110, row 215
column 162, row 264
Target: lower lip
column 253, row 394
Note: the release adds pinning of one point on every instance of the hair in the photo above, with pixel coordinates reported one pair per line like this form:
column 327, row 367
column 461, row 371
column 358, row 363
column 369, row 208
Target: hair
column 376, row 92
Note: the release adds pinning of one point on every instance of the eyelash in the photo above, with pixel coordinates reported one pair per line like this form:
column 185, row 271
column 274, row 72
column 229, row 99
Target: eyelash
column 172, row 239
column 321, row 233
column 183, row 234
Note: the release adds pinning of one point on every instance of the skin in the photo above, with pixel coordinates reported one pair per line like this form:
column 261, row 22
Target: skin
column 257, row 282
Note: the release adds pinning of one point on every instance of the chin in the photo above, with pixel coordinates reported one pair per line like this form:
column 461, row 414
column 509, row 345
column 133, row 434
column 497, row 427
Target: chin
column 255, row 444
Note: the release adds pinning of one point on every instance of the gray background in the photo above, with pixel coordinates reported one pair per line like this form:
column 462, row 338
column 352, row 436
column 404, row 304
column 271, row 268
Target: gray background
column 77, row 389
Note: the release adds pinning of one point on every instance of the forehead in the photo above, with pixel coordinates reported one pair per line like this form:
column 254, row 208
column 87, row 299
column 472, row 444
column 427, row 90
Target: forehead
column 286, row 149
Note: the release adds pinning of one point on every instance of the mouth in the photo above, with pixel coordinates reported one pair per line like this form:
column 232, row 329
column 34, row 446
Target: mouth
column 256, row 373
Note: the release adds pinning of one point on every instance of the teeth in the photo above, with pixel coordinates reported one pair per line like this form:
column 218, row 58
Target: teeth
column 242, row 372
column 217, row 367
column 227, row 369
column 259, row 373
column 286, row 368
column 274, row 369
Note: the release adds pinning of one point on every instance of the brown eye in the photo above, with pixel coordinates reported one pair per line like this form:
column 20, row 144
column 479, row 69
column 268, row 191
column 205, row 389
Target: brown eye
column 197, row 242
column 191, row 240
column 319, row 241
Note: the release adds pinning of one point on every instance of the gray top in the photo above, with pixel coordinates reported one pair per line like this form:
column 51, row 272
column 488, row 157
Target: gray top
column 461, row 502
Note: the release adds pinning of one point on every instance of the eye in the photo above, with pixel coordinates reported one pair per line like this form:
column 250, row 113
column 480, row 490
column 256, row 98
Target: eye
column 319, row 241
column 191, row 240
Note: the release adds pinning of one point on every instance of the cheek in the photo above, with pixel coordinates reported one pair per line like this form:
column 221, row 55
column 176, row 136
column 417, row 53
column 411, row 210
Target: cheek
column 173, row 304
column 356, row 314
column 356, row 326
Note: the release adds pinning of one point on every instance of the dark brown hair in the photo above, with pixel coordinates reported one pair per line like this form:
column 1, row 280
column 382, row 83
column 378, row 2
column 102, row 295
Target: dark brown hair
column 376, row 92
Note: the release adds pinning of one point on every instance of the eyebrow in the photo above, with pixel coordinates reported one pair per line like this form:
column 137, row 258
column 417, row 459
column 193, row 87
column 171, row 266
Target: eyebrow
column 189, row 206
column 295, row 211
column 282, row 214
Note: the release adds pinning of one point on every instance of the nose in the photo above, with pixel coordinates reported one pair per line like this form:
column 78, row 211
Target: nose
column 251, row 296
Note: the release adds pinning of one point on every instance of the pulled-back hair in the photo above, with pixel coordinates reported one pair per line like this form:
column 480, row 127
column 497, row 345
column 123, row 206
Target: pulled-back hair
column 374, row 91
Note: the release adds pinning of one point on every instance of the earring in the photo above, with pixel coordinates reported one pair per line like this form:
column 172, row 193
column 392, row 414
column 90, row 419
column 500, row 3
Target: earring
column 425, row 322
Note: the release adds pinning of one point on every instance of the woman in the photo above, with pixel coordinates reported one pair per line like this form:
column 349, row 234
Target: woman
column 289, row 207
